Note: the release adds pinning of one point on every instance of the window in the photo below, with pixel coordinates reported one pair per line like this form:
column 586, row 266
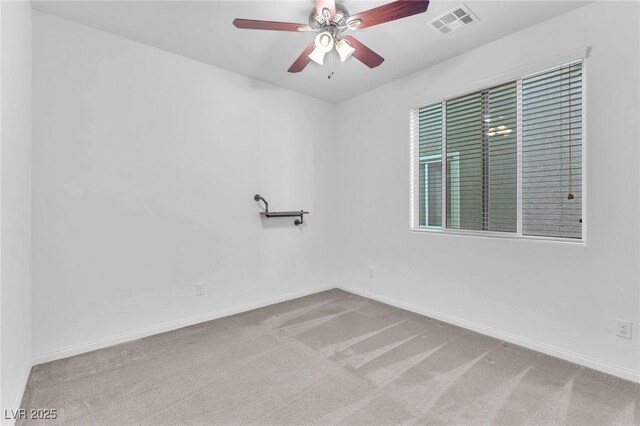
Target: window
column 506, row 159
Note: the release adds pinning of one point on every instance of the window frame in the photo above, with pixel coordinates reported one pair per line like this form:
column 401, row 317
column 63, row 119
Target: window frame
column 424, row 162
column 518, row 77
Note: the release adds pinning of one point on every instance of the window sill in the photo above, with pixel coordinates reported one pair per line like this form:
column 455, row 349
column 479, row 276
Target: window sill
column 499, row 235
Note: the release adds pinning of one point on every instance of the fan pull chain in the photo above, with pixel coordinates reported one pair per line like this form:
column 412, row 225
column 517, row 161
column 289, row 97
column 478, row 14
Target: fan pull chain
column 330, row 65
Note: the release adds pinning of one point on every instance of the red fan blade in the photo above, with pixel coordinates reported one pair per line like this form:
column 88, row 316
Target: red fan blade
column 390, row 12
column 364, row 54
column 303, row 59
column 328, row 4
column 250, row 24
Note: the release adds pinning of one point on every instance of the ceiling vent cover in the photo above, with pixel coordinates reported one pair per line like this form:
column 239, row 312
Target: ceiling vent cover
column 455, row 19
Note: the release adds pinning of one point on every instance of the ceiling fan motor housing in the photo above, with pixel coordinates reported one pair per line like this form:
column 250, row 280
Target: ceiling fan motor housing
column 335, row 25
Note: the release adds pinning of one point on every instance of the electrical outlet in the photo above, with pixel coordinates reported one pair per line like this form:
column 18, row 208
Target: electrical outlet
column 372, row 272
column 624, row 329
column 199, row 289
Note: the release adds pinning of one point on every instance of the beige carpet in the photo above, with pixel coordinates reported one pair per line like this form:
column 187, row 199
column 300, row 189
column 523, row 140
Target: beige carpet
column 328, row 358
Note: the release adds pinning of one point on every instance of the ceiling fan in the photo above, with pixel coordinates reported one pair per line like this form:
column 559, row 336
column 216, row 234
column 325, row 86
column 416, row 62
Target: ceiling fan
column 330, row 20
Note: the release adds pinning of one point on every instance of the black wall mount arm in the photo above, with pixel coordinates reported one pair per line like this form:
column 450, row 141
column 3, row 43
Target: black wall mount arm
column 266, row 213
column 258, row 197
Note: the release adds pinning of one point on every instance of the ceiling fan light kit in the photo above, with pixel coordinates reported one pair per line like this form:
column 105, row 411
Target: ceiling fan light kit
column 330, row 20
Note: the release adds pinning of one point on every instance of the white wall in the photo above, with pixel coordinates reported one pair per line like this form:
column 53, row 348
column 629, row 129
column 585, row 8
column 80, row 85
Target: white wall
column 15, row 200
column 560, row 298
column 145, row 167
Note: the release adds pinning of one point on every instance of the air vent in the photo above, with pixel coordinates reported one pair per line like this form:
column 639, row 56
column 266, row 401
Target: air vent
column 455, row 19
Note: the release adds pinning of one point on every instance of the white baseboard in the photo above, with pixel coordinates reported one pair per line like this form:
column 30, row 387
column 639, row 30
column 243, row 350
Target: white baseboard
column 161, row 328
column 18, row 402
column 595, row 364
column 576, row 358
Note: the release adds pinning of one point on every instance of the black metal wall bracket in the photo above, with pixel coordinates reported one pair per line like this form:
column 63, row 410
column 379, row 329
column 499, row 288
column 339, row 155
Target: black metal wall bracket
column 267, row 213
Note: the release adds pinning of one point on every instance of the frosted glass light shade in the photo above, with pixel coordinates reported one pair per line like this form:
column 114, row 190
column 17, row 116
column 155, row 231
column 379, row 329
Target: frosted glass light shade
column 317, row 56
column 324, row 44
column 344, row 50
column 324, row 41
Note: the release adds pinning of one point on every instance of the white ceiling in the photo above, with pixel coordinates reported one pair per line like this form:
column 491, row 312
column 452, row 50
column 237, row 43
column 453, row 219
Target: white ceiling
column 203, row 30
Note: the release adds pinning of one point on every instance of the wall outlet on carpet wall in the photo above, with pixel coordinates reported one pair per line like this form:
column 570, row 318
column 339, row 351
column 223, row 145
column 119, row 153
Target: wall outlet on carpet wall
column 624, row 329
column 199, row 289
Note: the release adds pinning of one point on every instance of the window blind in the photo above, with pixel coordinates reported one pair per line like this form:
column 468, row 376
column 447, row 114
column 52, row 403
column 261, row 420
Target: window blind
column 482, row 160
column 430, row 169
column 552, row 153
column 487, row 158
